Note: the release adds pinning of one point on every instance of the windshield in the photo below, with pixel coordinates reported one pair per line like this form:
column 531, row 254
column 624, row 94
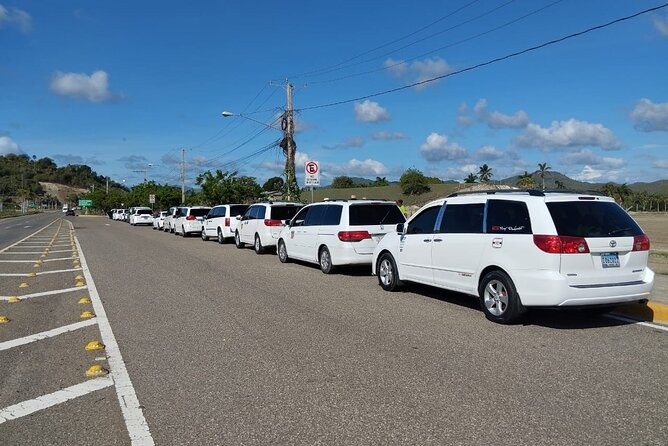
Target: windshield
column 592, row 219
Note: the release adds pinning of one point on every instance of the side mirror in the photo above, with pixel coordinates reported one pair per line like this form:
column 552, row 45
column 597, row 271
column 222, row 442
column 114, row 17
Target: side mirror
column 239, row 217
column 287, row 222
column 400, row 228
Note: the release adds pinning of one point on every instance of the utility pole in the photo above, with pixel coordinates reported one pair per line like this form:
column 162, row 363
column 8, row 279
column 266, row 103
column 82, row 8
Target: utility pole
column 290, row 147
column 107, row 185
column 183, row 175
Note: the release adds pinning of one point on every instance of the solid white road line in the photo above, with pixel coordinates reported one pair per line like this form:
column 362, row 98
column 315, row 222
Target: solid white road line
column 45, row 401
column 634, row 321
column 48, row 293
column 140, row 435
column 46, row 334
column 35, row 252
column 26, row 238
column 33, row 261
column 40, row 273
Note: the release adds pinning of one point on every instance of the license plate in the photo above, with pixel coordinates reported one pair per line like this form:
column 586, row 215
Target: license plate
column 610, row 260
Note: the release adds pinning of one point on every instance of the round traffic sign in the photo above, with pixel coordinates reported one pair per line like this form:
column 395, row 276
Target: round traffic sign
column 311, row 167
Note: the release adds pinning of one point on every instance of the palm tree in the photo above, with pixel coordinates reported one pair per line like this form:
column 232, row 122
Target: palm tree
column 542, row 170
column 559, row 184
column 485, row 173
column 623, row 191
column 471, row 178
column 526, row 180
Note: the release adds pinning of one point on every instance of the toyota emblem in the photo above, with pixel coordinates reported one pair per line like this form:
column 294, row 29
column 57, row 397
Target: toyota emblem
column 613, row 243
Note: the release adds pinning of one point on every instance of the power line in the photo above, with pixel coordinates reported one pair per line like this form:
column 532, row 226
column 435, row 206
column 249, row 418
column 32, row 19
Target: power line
column 489, row 62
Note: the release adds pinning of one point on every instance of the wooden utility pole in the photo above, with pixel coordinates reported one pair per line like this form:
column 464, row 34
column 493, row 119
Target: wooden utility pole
column 183, row 176
column 291, row 149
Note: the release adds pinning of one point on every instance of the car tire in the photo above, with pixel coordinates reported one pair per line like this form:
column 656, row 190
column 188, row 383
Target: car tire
column 388, row 274
column 499, row 298
column 282, row 252
column 204, row 236
column 184, row 234
column 237, row 241
column 325, row 261
column 259, row 249
column 221, row 238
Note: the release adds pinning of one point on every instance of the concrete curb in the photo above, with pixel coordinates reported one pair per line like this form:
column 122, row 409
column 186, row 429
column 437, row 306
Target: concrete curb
column 649, row 312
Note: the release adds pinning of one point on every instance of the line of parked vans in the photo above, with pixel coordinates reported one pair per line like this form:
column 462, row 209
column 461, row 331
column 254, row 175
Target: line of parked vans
column 511, row 249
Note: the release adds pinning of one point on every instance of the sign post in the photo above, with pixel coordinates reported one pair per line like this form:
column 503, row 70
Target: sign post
column 312, row 175
column 151, row 199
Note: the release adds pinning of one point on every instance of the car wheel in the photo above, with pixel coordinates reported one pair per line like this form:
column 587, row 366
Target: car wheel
column 237, row 240
column 204, row 236
column 259, row 249
column 325, row 261
column 282, row 252
column 388, row 275
column 499, row 298
column 183, row 232
column 155, row 228
column 221, row 239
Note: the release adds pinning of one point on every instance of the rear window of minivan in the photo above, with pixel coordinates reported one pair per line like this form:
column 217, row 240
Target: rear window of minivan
column 592, row 219
column 375, row 214
column 199, row 212
column 144, row 211
column 237, row 210
column 284, row 212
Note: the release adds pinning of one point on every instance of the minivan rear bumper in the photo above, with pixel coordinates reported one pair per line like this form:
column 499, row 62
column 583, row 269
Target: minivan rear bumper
column 547, row 288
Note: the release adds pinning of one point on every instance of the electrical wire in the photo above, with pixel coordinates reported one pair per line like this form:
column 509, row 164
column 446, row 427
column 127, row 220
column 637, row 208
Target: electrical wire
column 489, row 62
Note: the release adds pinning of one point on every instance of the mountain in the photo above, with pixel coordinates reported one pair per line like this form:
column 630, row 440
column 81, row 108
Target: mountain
column 551, row 178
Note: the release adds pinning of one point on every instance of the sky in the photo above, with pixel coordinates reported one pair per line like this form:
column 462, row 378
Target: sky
column 123, row 86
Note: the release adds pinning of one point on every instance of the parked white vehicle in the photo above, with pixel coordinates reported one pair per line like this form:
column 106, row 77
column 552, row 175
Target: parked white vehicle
column 118, row 214
column 341, row 232
column 189, row 220
column 221, row 221
column 141, row 216
column 262, row 222
column 521, row 249
column 170, row 219
column 159, row 220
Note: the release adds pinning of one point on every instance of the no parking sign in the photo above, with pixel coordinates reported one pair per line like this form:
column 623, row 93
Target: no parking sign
column 312, row 173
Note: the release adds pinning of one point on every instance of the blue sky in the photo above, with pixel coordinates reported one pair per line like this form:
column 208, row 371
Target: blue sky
column 121, row 85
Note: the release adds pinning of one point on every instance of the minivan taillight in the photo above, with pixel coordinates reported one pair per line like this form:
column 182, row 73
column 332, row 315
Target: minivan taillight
column 227, row 221
column 554, row 244
column 353, row 236
column 190, row 217
column 273, row 222
column 641, row 243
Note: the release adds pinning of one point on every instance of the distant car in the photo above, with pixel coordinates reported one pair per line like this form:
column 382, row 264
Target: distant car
column 190, row 219
column 520, row 249
column 118, row 214
column 141, row 216
column 262, row 222
column 340, row 232
column 221, row 221
column 159, row 220
column 70, row 212
column 168, row 225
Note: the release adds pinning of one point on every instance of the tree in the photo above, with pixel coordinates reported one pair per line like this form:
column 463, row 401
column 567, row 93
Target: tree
column 273, row 184
column 227, row 187
column 342, row 182
column 559, row 184
column 472, row 178
column 413, row 182
column 380, row 182
column 542, row 170
column 485, row 173
column 526, row 181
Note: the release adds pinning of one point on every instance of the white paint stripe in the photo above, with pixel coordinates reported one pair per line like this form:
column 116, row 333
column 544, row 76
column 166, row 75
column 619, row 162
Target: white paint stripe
column 636, row 322
column 45, row 401
column 13, row 274
column 31, row 235
column 48, row 293
column 42, row 260
column 140, row 435
column 46, row 334
column 38, row 252
column 40, row 273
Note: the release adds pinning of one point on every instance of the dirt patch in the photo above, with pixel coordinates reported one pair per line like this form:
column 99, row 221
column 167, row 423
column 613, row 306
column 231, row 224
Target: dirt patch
column 61, row 191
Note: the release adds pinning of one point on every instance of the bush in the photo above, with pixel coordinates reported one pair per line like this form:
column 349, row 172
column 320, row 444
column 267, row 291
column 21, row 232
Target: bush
column 413, row 182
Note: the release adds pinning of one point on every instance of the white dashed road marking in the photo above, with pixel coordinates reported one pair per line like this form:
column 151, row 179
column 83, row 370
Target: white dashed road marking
column 45, row 334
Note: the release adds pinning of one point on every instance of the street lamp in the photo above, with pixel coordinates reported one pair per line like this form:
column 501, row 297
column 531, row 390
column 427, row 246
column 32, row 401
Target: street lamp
column 227, row 114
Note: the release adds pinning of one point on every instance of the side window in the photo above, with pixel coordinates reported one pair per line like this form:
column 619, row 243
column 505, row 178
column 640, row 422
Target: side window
column 508, row 217
column 332, row 215
column 249, row 213
column 424, row 222
column 261, row 212
column 301, row 217
column 463, row 219
column 315, row 215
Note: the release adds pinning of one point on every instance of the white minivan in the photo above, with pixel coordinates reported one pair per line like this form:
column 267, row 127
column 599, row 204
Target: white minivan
column 189, row 220
column 262, row 222
column 341, row 232
column 520, row 249
column 221, row 221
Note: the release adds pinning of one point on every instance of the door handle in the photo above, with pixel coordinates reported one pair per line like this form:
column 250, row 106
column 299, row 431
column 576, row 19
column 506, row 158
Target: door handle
column 438, row 240
column 426, row 240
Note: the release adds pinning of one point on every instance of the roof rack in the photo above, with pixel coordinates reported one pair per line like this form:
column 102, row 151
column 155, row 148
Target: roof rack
column 532, row 192
column 575, row 191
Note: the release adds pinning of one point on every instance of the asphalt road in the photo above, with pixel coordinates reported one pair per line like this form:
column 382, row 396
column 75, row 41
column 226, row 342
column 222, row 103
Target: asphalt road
column 227, row 347
column 15, row 228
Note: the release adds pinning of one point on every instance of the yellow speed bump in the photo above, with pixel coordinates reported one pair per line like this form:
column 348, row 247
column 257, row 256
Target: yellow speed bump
column 37, row 265
column 79, row 283
column 3, row 319
column 23, row 285
column 87, row 315
column 43, row 255
column 32, row 274
column 94, row 345
column 74, row 254
column 79, row 277
column 84, row 300
column 95, row 371
column 13, row 300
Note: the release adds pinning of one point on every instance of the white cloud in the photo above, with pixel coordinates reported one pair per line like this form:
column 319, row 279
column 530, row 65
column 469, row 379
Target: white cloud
column 650, row 117
column 8, row 146
column 661, row 164
column 588, row 174
column 564, row 134
column 489, row 153
column 94, row 88
column 494, row 119
column 16, row 17
column 353, row 167
column 437, row 148
column 661, row 24
column 352, row 142
column 279, row 166
column 419, row 70
column 457, row 173
column 369, row 111
column 388, row 136
column 589, row 158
